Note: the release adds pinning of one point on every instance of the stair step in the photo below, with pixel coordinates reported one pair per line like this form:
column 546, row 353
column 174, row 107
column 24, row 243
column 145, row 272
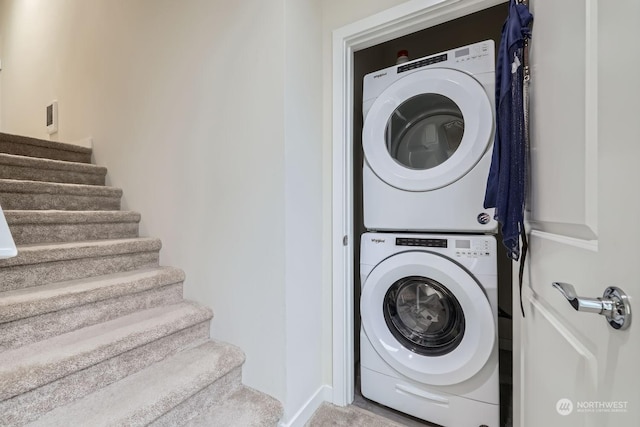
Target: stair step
column 245, row 407
column 92, row 330
column 23, row 303
column 38, row 169
column 48, row 263
column 34, row 314
column 147, row 395
column 31, row 366
column 34, row 147
column 41, row 376
column 29, row 227
column 36, row 195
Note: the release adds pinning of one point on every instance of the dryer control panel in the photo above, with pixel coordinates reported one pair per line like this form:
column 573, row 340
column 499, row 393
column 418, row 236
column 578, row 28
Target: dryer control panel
column 423, row 62
column 473, row 52
column 476, row 59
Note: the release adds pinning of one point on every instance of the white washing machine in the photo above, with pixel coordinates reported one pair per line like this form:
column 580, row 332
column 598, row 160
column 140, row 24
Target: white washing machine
column 427, row 138
column 429, row 343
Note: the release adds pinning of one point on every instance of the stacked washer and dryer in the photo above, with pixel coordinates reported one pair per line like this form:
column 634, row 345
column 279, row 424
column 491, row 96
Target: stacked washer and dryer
column 429, row 301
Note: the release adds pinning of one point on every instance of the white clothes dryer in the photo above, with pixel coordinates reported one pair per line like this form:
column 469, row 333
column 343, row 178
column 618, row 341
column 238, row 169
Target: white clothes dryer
column 429, row 342
column 427, row 138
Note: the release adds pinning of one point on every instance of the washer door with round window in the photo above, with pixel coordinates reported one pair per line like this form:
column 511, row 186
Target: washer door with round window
column 428, row 318
column 428, row 129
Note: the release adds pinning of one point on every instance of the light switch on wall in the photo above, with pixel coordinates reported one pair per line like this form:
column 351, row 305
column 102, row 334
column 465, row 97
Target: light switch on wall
column 52, row 117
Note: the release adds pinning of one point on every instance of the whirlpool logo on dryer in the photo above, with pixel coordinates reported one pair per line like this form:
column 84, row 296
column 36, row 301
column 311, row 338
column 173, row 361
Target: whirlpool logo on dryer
column 378, row 240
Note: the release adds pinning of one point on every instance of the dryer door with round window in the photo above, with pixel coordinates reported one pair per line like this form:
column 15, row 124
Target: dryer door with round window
column 428, row 317
column 428, row 129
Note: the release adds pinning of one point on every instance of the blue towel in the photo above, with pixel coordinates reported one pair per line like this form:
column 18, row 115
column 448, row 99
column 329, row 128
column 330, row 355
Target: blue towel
column 506, row 181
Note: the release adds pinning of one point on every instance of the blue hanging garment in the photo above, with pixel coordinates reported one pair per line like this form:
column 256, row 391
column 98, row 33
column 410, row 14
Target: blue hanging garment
column 506, row 182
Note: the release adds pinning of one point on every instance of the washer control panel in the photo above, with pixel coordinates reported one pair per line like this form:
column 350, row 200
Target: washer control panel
column 472, row 248
column 425, row 243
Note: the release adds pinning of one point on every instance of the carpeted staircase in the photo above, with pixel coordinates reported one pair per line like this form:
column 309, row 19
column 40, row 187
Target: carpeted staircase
column 93, row 332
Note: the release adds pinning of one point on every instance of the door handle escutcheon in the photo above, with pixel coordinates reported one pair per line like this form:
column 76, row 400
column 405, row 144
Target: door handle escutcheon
column 614, row 304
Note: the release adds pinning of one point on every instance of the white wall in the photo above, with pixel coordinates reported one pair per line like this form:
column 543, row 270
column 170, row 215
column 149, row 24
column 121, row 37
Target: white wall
column 184, row 101
column 303, row 203
column 215, row 119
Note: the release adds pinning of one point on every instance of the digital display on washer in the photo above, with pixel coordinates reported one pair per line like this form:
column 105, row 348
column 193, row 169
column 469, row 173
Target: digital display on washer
column 427, row 243
column 463, row 244
column 422, row 63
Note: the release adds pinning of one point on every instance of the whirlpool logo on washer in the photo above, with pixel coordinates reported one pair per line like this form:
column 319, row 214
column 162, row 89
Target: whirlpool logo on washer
column 378, row 240
column 377, row 76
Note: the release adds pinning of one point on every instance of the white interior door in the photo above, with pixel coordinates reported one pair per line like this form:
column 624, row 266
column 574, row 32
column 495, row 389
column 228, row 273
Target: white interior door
column 576, row 370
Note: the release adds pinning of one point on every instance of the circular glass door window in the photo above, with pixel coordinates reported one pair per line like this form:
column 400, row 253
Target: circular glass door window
column 424, row 131
column 424, row 316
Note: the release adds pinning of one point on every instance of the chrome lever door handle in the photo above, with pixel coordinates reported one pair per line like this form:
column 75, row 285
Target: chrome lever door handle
column 590, row 305
column 614, row 304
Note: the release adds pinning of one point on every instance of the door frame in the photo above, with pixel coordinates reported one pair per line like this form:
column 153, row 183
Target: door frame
column 406, row 18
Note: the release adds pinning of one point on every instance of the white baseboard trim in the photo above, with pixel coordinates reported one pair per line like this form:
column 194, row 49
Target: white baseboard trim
column 304, row 414
column 84, row 142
